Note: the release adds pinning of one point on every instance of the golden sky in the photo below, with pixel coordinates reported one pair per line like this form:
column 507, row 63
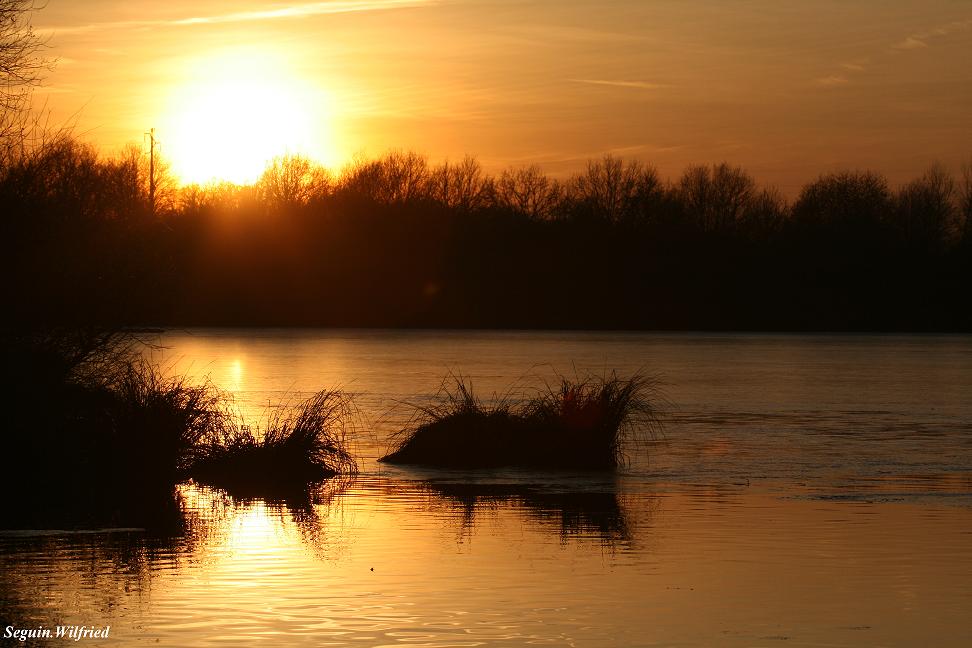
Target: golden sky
column 786, row 88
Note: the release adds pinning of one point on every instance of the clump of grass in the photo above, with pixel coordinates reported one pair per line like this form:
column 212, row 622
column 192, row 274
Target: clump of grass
column 158, row 424
column 303, row 444
column 596, row 419
column 98, row 432
column 584, row 424
column 457, row 430
column 89, row 409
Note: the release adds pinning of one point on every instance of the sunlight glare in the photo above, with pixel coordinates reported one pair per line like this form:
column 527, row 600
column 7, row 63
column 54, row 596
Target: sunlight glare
column 238, row 110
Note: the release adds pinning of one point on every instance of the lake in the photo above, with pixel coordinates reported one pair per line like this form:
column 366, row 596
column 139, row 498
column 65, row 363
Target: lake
column 805, row 490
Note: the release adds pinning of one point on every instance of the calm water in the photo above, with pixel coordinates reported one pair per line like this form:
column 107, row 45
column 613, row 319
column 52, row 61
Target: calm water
column 806, row 491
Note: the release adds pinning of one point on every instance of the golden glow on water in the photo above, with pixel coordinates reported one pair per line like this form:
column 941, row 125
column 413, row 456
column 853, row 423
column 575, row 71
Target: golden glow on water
column 822, row 497
column 391, row 562
column 235, row 378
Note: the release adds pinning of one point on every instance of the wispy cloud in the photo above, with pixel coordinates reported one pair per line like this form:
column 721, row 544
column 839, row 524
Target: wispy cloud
column 911, row 43
column 916, row 41
column 920, row 40
column 843, row 77
column 854, row 66
column 545, row 32
column 299, row 10
column 833, row 80
column 643, row 85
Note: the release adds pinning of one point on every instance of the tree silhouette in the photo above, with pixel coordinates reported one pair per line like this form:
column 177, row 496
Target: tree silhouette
column 965, row 202
column 20, row 69
column 927, row 216
column 397, row 178
column 396, row 242
column 463, row 186
column 292, row 181
column 529, row 192
column 615, row 190
column 853, row 206
column 716, row 198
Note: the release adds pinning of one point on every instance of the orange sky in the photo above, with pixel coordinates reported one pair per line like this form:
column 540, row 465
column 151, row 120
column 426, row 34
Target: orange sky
column 787, row 89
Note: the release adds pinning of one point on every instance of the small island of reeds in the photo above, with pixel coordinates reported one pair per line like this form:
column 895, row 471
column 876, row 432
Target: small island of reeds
column 588, row 424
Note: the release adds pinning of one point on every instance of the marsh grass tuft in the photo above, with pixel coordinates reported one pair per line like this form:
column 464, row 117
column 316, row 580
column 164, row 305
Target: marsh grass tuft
column 158, row 423
column 589, row 423
column 299, row 445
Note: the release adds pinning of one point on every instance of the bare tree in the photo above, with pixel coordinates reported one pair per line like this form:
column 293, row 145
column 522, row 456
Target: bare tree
column 362, row 177
column 127, row 173
column 123, row 182
column 850, row 203
column 292, row 181
column 399, row 177
column 217, row 196
column 463, row 186
column 528, row 191
column 765, row 214
column 64, row 173
column 927, row 213
column 965, row 200
column 405, row 175
column 716, row 197
column 20, row 72
column 614, row 189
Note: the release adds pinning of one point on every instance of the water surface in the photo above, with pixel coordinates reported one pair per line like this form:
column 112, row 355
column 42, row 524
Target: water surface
column 807, row 490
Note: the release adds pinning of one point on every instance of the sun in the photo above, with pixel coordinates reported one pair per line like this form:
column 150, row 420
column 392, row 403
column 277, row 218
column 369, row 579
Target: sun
column 236, row 111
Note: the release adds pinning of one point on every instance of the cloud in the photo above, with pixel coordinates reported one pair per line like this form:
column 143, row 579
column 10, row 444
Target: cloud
column 560, row 33
column 833, row 80
column 919, row 40
column 300, row 10
column 643, row 85
column 911, row 43
column 916, row 41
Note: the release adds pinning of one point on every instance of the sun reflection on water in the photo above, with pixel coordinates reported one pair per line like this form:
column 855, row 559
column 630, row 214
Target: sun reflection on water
column 234, row 380
column 394, row 559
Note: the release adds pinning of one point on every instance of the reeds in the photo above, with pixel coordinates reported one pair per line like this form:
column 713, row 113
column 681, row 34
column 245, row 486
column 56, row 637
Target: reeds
column 588, row 423
column 93, row 426
column 158, row 424
column 303, row 444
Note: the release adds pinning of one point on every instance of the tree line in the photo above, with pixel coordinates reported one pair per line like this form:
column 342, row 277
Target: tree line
column 400, row 241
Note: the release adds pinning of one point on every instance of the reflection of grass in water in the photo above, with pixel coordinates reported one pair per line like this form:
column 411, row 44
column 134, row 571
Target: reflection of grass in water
column 62, row 578
column 586, row 424
column 303, row 509
column 575, row 513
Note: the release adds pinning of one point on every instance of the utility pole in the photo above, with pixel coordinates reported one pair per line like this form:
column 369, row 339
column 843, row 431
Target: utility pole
column 151, row 136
